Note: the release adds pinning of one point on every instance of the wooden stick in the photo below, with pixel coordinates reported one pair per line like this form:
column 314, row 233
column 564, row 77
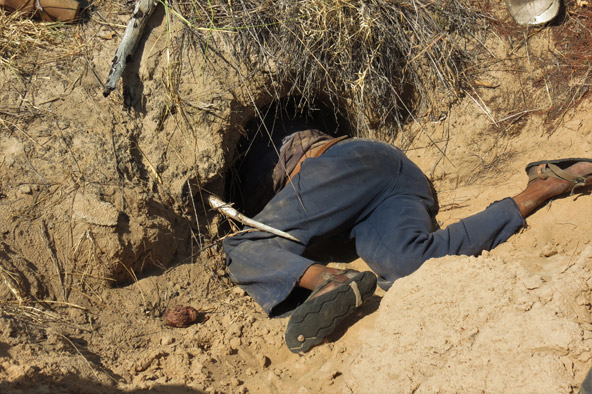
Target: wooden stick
column 12, row 282
column 133, row 32
column 227, row 210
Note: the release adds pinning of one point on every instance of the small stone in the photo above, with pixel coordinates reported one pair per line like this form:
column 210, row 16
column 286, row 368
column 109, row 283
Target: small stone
column 221, row 272
column 238, row 291
column 25, row 189
column 180, row 316
column 166, row 340
column 235, row 342
column 300, row 338
column 533, row 282
column 235, row 382
column 548, row 250
column 262, row 360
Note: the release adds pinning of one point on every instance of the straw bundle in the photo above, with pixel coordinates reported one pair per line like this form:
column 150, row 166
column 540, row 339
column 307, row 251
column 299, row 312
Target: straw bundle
column 375, row 60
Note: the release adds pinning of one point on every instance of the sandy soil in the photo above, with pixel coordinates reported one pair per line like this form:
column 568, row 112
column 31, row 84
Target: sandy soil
column 98, row 232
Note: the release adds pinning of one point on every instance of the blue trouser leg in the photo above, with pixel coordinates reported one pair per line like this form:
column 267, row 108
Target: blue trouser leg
column 375, row 191
column 402, row 245
column 400, row 233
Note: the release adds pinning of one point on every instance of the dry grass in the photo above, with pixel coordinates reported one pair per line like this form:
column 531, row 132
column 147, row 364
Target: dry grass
column 20, row 35
column 373, row 60
column 551, row 66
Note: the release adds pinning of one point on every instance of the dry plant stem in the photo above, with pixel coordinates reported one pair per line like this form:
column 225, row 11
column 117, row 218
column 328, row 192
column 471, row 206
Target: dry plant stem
column 81, row 355
column 353, row 52
column 13, row 284
column 54, row 259
column 227, row 210
column 133, row 32
column 198, row 238
column 39, row 316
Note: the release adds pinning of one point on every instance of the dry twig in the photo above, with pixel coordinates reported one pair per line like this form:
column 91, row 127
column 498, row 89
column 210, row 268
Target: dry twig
column 227, row 210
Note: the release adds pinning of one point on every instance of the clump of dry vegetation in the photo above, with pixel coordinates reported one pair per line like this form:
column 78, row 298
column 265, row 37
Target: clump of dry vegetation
column 20, row 34
column 374, row 60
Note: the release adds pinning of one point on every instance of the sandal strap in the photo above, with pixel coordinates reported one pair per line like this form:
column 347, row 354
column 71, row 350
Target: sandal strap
column 332, row 278
column 562, row 174
column 547, row 170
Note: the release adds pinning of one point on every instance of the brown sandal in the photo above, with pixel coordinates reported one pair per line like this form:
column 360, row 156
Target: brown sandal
column 320, row 315
column 557, row 169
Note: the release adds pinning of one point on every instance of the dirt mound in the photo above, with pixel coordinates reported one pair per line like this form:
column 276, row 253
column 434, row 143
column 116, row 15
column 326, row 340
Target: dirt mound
column 482, row 324
column 93, row 194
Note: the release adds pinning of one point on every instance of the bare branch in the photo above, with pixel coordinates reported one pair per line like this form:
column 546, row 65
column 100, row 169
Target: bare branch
column 131, row 37
column 227, row 210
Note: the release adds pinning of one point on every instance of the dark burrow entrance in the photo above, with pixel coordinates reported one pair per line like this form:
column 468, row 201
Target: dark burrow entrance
column 257, row 151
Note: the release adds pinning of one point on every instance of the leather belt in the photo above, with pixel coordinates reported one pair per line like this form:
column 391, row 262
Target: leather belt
column 315, row 152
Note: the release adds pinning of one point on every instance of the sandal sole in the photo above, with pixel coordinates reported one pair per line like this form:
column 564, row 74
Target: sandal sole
column 319, row 317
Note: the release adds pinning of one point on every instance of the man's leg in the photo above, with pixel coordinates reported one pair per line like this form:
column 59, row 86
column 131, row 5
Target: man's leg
column 331, row 193
column 399, row 236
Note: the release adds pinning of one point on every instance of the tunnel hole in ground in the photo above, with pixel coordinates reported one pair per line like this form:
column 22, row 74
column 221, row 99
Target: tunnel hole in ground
column 257, row 150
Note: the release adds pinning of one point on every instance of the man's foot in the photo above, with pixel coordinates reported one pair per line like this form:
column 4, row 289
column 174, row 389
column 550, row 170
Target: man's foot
column 574, row 172
column 340, row 293
column 551, row 178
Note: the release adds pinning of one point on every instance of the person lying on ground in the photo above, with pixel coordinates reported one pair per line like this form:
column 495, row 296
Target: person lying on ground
column 318, row 186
